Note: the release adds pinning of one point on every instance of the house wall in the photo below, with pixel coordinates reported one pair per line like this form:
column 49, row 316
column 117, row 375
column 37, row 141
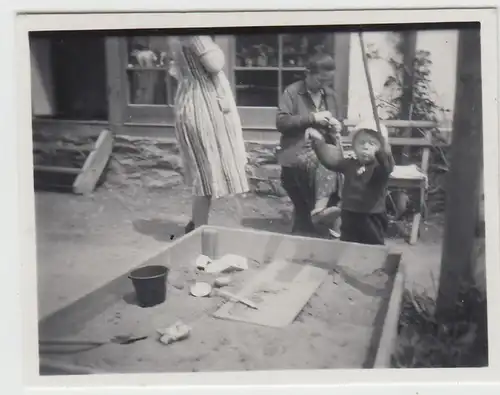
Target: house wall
column 42, row 94
column 442, row 44
column 263, row 170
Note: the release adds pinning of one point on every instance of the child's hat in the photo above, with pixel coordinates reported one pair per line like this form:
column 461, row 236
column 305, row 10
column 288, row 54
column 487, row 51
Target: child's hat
column 370, row 124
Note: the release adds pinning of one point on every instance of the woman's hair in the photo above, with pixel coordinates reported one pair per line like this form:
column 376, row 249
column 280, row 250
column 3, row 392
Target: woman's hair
column 320, row 62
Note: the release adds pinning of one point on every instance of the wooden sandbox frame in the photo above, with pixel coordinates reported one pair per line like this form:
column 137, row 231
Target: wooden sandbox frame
column 72, row 318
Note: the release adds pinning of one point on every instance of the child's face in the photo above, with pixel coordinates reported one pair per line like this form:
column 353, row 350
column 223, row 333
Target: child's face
column 365, row 146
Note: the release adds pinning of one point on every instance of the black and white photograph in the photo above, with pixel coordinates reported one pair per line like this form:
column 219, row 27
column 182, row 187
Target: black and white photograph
column 259, row 198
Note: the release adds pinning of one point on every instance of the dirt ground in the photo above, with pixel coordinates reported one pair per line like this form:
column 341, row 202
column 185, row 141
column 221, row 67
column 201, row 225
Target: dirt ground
column 84, row 242
column 337, row 323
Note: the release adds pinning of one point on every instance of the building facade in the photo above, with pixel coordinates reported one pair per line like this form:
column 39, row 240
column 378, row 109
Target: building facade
column 95, row 79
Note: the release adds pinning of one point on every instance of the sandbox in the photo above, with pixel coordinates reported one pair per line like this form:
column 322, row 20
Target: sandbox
column 349, row 322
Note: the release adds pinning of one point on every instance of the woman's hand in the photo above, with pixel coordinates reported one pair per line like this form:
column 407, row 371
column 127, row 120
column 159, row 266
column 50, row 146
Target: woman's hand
column 314, row 135
column 322, row 118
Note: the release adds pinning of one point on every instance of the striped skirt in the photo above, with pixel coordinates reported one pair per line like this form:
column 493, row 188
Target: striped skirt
column 210, row 138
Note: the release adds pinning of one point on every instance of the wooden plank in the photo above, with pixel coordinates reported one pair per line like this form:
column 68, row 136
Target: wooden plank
column 266, row 134
column 390, row 327
column 84, row 148
column 280, row 292
column 276, row 247
column 95, row 164
column 397, row 123
column 404, row 183
column 342, row 45
column 57, row 169
column 415, row 228
column 72, row 318
column 406, row 109
column 59, row 128
column 360, row 260
column 399, row 141
column 116, row 78
column 462, row 179
column 49, row 367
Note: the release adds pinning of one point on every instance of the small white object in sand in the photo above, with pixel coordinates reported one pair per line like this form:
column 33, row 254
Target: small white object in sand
column 202, row 262
column 178, row 331
column 229, row 262
column 200, row 290
column 222, row 281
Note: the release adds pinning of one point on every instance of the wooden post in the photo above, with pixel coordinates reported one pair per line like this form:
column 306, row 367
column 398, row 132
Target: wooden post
column 462, row 180
column 409, row 48
column 114, row 75
column 342, row 49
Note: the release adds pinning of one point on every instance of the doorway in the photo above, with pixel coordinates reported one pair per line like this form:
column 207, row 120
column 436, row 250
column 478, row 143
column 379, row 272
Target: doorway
column 76, row 86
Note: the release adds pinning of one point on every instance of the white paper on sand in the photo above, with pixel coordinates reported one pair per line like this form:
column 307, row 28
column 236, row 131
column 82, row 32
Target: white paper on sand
column 202, row 262
column 227, row 262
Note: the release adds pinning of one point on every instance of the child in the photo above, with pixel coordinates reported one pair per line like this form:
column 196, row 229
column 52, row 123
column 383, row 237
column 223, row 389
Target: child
column 363, row 215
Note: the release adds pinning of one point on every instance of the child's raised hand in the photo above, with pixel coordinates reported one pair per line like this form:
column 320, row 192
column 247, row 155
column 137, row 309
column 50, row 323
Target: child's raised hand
column 386, row 146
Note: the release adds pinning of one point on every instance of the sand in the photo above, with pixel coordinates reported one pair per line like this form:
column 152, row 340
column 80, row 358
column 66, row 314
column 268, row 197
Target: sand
column 334, row 330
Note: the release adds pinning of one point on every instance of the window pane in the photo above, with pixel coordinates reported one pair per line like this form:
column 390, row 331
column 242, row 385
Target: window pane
column 256, row 50
column 147, row 51
column 298, row 47
column 152, row 85
column 148, row 87
column 289, row 77
column 257, row 88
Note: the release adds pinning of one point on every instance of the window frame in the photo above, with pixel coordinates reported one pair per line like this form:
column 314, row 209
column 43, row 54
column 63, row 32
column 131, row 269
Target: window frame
column 256, row 118
column 264, row 118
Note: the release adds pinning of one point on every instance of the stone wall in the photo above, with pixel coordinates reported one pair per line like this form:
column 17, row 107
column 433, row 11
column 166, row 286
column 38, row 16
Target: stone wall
column 156, row 164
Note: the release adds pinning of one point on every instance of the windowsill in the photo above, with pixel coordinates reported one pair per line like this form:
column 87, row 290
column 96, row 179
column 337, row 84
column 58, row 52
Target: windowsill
column 38, row 119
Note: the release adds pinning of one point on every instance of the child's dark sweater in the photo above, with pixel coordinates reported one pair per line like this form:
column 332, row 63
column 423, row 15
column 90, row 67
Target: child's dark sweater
column 363, row 191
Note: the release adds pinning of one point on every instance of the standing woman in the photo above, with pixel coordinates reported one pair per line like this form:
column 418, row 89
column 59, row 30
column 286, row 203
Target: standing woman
column 207, row 126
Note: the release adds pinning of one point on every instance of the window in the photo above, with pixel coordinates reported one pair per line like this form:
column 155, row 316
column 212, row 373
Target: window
column 69, row 76
column 266, row 64
column 148, row 80
column 258, row 66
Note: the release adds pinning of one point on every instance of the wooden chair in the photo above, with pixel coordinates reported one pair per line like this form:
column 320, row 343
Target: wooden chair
column 400, row 179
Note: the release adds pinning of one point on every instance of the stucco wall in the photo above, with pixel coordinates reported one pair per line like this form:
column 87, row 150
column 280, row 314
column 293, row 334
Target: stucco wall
column 42, row 98
column 442, row 44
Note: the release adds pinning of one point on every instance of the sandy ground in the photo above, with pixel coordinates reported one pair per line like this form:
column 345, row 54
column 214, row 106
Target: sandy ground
column 334, row 330
column 84, row 242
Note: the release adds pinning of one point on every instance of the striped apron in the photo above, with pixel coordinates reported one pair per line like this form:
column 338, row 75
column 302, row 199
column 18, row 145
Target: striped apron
column 208, row 127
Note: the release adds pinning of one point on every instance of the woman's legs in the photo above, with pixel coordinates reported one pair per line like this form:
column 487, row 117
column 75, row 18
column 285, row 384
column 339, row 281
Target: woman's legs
column 200, row 212
column 201, row 209
column 300, row 187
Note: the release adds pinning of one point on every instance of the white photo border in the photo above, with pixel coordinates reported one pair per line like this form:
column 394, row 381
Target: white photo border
column 107, row 21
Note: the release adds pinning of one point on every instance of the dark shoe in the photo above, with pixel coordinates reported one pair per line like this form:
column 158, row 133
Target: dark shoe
column 189, row 227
